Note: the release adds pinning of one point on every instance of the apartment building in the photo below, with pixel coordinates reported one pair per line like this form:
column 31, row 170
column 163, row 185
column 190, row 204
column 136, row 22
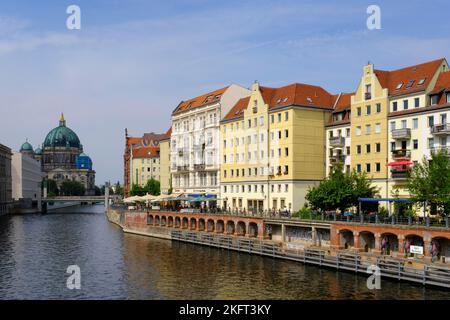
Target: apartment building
column 164, row 163
column 5, row 180
column 338, row 141
column 272, row 147
column 195, row 153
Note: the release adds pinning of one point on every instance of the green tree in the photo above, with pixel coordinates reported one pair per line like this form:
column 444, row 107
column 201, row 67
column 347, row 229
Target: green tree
column 340, row 190
column 137, row 190
column 429, row 182
column 72, row 188
column 153, row 187
column 98, row 191
column 52, row 188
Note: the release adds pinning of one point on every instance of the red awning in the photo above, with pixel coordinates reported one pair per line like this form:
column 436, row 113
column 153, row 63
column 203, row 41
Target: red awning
column 399, row 163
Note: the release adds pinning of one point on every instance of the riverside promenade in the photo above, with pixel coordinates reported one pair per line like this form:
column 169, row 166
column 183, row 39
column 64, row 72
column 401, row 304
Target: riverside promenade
column 347, row 246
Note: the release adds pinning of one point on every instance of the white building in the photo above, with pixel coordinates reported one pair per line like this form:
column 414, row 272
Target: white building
column 195, row 156
column 26, row 181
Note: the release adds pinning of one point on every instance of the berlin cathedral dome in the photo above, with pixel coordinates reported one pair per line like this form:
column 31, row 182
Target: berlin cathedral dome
column 62, row 157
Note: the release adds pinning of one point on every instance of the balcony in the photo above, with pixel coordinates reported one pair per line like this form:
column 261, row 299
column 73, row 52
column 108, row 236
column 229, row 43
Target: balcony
column 400, row 173
column 368, row 95
column 200, row 166
column 440, row 129
column 182, row 168
column 337, row 159
column 337, row 142
column 402, row 134
column 436, row 150
column 401, row 153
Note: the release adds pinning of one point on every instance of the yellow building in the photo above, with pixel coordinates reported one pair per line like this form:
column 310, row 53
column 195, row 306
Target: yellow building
column 369, row 131
column 272, row 147
column 392, row 123
column 145, row 165
column 164, row 163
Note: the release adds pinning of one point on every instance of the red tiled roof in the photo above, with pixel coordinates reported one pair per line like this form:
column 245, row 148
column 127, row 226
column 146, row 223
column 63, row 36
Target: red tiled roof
column 298, row 94
column 150, row 152
column 199, row 101
column 391, row 79
column 168, row 134
column 442, row 83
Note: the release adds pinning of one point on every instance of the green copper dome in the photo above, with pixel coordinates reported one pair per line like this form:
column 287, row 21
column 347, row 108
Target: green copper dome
column 26, row 147
column 62, row 136
column 38, row 151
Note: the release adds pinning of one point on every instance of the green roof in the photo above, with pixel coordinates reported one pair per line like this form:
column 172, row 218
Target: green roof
column 62, row 136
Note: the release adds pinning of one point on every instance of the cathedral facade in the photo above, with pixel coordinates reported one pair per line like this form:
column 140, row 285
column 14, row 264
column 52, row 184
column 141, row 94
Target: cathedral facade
column 62, row 157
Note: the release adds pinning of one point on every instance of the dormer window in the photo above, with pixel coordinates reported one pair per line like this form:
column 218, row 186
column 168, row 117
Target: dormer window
column 278, row 101
column 434, row 100
column 399, row 86
column 285, row 99
column 410, row 84
column 448, row 97
column 309, row 100
column 421, row 82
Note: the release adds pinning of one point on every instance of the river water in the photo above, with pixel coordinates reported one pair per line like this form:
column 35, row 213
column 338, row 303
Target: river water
column 36, row 250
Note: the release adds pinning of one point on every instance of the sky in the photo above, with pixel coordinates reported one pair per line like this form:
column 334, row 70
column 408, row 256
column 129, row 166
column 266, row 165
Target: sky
column 133, row 61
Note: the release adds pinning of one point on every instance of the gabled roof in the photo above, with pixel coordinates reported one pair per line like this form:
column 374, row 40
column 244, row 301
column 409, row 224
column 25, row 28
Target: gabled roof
column 204, row 99
column 150, row 152
column 409, row 77
column 343, row 102
column 296, row 94
column 442, row 83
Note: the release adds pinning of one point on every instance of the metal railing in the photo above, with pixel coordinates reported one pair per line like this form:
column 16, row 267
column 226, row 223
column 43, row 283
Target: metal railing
column 348, row 261
column 404, row 133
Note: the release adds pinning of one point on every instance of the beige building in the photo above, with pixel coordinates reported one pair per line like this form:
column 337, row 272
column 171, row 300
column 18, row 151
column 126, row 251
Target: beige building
column 145, row 165
column 5, row 180
column 195, row 150
column 27, row 178
column 164, row 163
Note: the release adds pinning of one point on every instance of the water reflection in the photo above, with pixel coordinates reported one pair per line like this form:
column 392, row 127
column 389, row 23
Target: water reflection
column 36, row 250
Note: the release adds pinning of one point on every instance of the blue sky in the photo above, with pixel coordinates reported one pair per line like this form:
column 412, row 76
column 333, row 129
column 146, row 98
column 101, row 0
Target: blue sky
column 133, row 61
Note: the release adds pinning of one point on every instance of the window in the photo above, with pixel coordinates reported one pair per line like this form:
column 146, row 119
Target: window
column 367, row 167
column 377, row 167
column 421, row 82
column 358, row 168
column 399, row 86
column 430, row 143
column 286, row 116
column 434, row 100
column 286, row 152
column 358, row 111
column 347, row 132
column 392, row 124
column 405, row 104
column 410, row 84
column 378, row 107
column 261, row 121
column 415, row 122
column 377, row 128
column 368, row 110
column 392, row 146
column 279, row 117
column 348, row 151
column 286, row 134
column 430, row 121
column 394, row 106
column 448, row 97
column 358, row 131
column 368, row 128
column 416, row 102
column 286, row 188
column 367, row 148
column 286, row 169
column 404, row 124
column 415, row 144
column 279, row 135
column 378, row 147
column 368, row 88
column 358, row 149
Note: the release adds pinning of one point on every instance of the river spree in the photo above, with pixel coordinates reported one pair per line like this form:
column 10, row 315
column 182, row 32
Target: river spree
column 35, row 251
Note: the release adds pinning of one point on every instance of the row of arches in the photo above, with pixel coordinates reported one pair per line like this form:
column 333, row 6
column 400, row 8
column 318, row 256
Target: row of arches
column 230, row 227
column 389, row 243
